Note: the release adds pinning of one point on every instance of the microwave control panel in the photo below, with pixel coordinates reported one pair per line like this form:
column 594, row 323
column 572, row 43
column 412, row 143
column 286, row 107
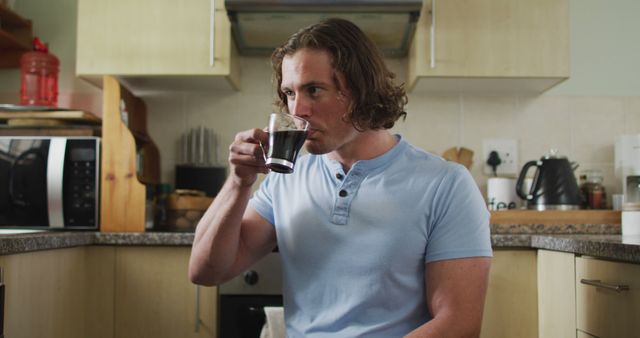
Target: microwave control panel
column 81, row 183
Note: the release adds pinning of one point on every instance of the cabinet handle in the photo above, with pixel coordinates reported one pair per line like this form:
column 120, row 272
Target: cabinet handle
column 197, row 323
column 599, row 284
column 212, row 31
column 432, row 35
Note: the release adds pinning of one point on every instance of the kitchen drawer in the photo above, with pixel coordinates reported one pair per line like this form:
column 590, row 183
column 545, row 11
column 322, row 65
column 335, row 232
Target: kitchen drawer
column 605, row 312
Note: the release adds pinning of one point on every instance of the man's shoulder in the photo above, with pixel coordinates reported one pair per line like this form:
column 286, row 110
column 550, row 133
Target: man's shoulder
column 418, row 157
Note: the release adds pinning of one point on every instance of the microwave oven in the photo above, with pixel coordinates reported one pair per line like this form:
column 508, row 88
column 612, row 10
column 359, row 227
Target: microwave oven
column 49, row 182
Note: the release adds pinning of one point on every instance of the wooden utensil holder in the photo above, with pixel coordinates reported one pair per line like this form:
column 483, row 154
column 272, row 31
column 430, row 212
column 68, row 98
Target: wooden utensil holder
column 123, row 191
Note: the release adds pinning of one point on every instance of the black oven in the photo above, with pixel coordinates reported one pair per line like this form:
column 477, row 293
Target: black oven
column 242, row 299
column 49, row 182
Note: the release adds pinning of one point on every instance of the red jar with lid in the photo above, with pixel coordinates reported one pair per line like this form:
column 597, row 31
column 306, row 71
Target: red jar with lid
column 39, row 76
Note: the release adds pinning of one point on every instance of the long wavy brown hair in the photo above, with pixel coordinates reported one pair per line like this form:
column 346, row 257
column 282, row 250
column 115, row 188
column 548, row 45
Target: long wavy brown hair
column 377, row 103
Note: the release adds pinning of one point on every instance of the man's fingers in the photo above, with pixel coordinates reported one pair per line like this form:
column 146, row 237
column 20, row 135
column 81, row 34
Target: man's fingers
column 252, row 149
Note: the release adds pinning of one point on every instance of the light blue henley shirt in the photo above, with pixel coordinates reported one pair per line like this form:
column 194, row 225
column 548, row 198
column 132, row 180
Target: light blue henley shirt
column 354, row 246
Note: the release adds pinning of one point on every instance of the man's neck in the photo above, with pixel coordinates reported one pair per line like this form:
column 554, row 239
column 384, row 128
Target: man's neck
column 367, row 145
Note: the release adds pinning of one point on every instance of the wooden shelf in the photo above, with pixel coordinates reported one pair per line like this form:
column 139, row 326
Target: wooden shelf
column 15, row 37
column 23, row 118
column 11, row 19
column 123, row 194
column 555, row 217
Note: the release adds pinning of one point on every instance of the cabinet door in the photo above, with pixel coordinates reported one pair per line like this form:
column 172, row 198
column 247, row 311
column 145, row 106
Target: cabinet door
column 44, row 294
column 511, row 305
column 492, row 39
column 154, row 297
column 152, row 37
column 556, row 294
column 604, row 312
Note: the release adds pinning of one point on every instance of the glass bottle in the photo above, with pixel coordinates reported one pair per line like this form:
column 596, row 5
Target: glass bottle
column 39, row 76
column 163, row 191
column 595, row 196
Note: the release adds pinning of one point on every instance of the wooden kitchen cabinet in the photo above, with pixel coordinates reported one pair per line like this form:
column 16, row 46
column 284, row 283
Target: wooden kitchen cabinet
column 154, row 297
column 492, row 45
column 603, row 312
column 156, row 44
column 511, row 303
column 61, row 293
column 556, row 294
column 15, row 37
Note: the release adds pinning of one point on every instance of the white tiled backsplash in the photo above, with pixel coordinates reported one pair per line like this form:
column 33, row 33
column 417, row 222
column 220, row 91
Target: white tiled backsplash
column 582, row 128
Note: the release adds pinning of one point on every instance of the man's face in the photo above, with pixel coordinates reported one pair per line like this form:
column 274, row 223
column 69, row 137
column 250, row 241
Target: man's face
column 317, row 93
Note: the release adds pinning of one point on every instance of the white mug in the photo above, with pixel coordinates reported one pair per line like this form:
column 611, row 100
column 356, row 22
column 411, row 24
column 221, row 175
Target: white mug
column 631, row 219
column 501, row 193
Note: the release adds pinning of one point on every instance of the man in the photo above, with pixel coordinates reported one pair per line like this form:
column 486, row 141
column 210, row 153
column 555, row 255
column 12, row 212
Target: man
column 377, row 238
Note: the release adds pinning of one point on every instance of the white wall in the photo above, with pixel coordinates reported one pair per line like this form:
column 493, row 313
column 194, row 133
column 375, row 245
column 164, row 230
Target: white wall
column 604, row 49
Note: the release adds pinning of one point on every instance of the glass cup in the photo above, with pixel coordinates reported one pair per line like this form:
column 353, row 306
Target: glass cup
column 286, row 136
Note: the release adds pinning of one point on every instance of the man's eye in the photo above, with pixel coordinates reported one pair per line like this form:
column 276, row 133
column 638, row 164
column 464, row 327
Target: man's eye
column 288, row 93
column 314, row 90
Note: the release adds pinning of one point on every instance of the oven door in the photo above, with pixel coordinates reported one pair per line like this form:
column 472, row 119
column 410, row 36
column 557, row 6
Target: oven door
column 23, row 182
column 242, row 316
column 242, row 300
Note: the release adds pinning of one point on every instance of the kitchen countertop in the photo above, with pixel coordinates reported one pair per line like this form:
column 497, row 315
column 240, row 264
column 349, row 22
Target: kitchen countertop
column 609, row 246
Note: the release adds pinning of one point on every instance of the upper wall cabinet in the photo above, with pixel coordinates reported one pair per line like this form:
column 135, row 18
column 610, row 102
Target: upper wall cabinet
column 155, row 45
column 490, row 46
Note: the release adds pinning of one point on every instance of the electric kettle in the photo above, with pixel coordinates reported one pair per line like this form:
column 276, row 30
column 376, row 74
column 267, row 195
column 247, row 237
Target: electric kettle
column 554, row 185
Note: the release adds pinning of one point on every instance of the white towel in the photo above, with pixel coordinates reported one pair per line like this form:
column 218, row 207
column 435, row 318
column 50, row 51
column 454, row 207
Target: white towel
column 274, row 325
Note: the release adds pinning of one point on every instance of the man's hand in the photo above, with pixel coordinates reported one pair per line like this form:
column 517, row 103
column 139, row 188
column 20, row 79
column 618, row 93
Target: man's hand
column 246, row 156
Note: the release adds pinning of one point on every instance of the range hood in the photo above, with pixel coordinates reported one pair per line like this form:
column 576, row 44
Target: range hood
column 258, row 26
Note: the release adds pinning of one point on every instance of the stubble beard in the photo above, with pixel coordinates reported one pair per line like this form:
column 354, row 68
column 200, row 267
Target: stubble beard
column 314, row 149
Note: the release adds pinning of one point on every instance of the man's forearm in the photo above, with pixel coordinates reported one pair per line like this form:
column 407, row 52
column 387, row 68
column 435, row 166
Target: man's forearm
column 218, row 235
column 445, row 327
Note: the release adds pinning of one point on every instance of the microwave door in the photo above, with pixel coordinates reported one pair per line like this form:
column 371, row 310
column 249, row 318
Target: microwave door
column 27, row 188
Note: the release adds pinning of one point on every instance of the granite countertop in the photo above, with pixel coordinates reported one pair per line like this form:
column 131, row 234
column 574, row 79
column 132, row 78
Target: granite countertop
column 606, row 242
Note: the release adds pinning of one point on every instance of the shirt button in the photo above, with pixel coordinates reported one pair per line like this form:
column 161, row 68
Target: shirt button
column 342, row 193
column 339, row 176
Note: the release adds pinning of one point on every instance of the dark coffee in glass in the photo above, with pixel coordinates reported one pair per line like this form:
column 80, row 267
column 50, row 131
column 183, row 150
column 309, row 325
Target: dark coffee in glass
column 286, row 136
column 283, row 149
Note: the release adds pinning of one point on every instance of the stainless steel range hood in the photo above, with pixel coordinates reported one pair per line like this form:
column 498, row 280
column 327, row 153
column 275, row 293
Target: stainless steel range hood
column 258, row 26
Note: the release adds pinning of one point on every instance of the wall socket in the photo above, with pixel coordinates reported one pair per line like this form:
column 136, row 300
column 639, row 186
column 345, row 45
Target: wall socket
column 507, row 150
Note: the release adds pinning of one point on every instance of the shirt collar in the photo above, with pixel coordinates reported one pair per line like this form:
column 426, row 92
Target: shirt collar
column 374, row 163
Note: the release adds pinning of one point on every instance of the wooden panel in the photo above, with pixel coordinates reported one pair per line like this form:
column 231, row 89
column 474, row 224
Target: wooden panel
column 15, row 37
column 511, row 306
column 556, row 294
column 523, row 39
column 502, row 37
column 44, row 294
column 122, row 201
column 607, row 313
column 145, row 145
column 582, row 334
column 99, row 292
column 151, row 37
column 154, row 297
column 555, row 217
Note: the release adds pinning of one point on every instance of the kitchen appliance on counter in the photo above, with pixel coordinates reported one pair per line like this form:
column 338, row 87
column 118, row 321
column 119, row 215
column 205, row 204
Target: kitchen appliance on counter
column 49, row 182
column 627, row 162
column 243, row 299
column 199, row 157
column 554, row 184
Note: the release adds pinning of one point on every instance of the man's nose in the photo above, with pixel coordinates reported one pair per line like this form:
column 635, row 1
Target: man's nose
column 300, row 107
